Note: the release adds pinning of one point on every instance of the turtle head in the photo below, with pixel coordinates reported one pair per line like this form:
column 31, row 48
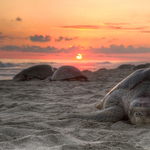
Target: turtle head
column 49, row 78
column 139, row 111
column 20, row 77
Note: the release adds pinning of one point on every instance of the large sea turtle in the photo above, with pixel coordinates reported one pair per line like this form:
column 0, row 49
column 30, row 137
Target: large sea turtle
column 130, row 99
column 38, row 71
column 69, row 73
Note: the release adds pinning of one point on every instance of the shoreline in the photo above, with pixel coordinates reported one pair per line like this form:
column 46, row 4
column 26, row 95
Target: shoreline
column 87, row 72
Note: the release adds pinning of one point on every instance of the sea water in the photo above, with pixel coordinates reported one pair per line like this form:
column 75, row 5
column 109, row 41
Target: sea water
column 10, row 67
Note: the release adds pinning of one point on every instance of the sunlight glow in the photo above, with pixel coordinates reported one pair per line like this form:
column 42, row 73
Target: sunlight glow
column 79, row 56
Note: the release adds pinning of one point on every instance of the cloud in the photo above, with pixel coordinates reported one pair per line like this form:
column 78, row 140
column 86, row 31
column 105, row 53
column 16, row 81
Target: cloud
column 115, row 26
column 69, row 39
column 145, row 31
column 12, row 38
column 40, row 38
column 65, row 38
column 81, row 27
column 72, row 49
column 59, row 39
column 38, row 49
column 10, row 48
column 17, row 38
column 18, row 19
column 3, row 37
column 112, row 40
column 122, row 28
column 27, row 48
column 112, row 49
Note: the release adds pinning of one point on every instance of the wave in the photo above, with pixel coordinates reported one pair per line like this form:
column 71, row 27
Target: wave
column 23, row 65
column 106, row 62
column 6, row 65
column 11, row 75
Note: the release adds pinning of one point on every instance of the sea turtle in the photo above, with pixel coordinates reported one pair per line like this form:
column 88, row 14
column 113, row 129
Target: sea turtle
column 38, row 71
column 130, row 99
column 69, row 73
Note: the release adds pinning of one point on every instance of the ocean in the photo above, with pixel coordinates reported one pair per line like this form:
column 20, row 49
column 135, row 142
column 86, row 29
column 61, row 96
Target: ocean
column 10, row 67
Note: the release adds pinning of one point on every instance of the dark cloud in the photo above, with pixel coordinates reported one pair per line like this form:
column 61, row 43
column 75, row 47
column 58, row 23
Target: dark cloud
column 10, row 48
column 112, row 49
column 18, row 19
column 3, row 37
column 38, row 49
column 59, row 39
column 40, row 38
column 68, row 39
column 65, row 38
column 27, row 48
column 12, row 38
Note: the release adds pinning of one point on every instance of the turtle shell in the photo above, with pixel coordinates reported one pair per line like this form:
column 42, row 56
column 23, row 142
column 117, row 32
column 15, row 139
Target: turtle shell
column 38, row 71
column 67, row 73
column 129, row 83
column 134, row 79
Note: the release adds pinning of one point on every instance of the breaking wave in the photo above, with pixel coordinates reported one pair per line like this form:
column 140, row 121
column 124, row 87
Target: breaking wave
column 22, row 65
column 6, row 65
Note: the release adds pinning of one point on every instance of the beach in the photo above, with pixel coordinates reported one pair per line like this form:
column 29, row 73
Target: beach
column 65, row 71
column 32, row 112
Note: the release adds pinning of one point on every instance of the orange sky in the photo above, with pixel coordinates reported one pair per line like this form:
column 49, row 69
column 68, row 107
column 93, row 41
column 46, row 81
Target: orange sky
column 60, row 29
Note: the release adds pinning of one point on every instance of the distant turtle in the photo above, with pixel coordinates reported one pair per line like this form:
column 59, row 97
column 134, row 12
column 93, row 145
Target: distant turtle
column 141, row 66
column 39, row 72
column 130, row 99
column 69, row 73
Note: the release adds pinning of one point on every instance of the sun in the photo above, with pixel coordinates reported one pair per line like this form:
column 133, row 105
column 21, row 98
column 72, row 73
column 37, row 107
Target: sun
column 79, row 56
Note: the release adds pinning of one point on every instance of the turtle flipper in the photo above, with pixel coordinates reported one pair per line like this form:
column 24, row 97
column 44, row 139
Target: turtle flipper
column 111, row 114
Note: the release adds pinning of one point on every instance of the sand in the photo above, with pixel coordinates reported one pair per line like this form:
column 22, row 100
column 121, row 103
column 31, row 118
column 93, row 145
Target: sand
column 30, row 113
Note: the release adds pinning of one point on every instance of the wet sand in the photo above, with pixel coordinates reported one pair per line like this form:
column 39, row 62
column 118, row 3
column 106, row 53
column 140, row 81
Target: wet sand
column 31, row 111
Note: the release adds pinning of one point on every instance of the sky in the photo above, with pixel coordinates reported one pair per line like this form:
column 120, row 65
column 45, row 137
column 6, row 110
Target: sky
column 104, row 30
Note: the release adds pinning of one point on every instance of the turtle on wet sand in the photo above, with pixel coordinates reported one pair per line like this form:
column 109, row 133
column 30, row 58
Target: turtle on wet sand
column 130, row 99
column 69, row 73
column 35, row 72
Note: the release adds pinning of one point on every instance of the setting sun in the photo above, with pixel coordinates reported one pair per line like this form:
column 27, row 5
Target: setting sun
column 79, row 56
